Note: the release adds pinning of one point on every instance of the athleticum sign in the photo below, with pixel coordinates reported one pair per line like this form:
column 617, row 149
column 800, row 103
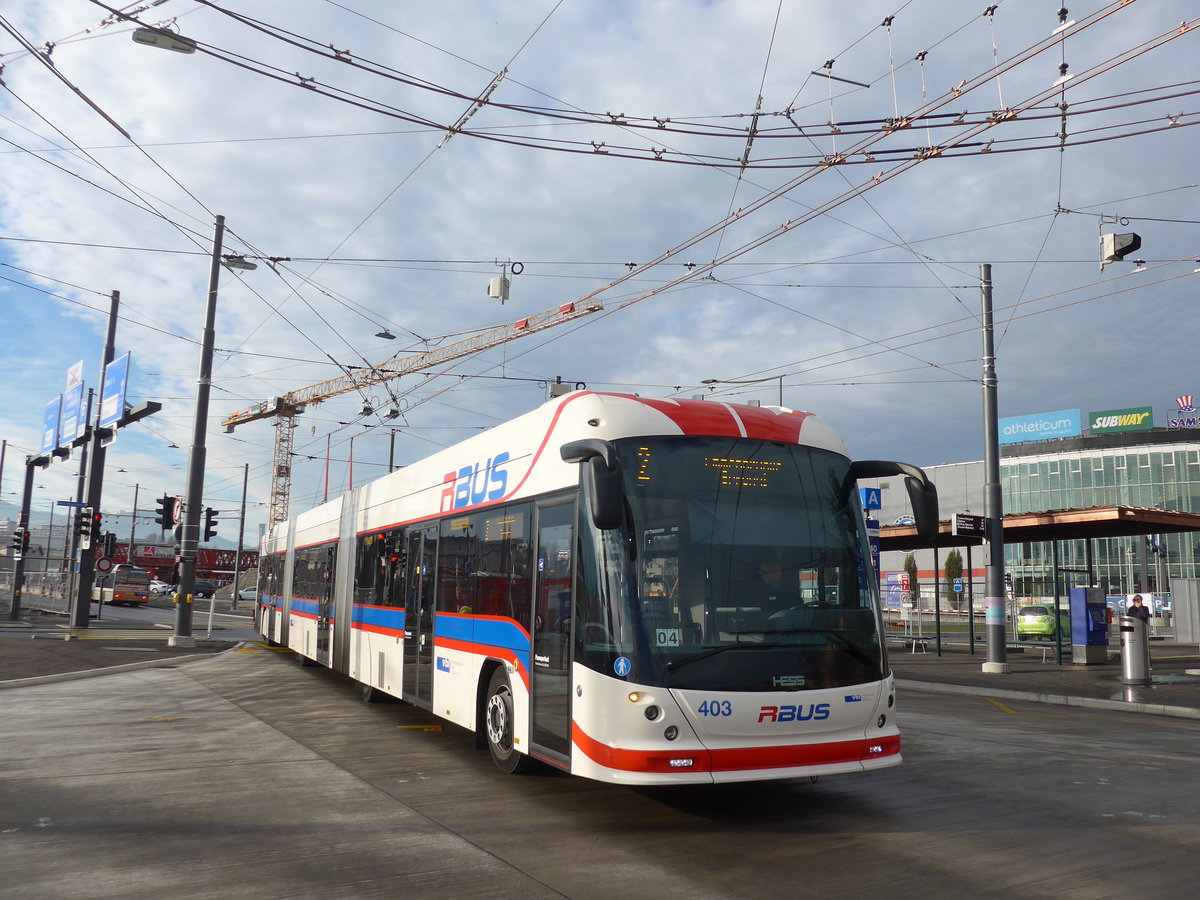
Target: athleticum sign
column 1040, row 426
column 1108, row 421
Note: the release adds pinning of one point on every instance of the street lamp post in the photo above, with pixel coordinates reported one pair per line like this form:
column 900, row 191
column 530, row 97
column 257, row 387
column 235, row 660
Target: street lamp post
column 189, row 539
column 993, row 498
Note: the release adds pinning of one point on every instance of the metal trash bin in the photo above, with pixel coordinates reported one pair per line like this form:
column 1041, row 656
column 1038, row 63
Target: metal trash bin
column 1135, row 651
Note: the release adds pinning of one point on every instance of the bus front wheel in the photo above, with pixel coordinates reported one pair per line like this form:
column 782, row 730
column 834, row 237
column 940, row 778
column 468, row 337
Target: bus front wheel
column 498, row 724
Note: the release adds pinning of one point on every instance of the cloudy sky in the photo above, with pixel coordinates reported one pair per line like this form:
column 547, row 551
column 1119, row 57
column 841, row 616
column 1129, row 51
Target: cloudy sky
column 797, row 195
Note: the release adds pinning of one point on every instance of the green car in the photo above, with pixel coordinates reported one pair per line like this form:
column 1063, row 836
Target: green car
column 1038, row 621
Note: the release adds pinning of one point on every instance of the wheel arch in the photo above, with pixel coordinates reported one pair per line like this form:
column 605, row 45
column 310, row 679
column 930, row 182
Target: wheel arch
column 490, row 665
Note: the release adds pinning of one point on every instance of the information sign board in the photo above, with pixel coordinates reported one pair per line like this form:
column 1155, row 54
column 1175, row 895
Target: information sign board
column 967, row 525
column 116, row 382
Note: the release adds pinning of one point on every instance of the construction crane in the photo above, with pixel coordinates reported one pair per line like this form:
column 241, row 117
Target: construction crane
column 291, row 404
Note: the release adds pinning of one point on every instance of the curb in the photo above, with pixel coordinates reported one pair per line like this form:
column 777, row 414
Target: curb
column 113, row 670
column 1133, row 706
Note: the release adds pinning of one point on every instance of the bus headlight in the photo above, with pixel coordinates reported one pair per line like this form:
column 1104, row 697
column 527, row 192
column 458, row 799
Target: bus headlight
column 653, row 712
column 671, row 733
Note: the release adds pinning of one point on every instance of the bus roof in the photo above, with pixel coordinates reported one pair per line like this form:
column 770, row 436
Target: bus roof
column 520, row 457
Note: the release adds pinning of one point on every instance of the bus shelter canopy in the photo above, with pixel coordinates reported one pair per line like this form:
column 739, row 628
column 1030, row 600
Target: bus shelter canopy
column 1051, row 525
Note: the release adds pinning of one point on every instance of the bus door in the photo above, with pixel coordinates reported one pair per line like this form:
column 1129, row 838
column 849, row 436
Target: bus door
column 418, row 616
column 268, row 594
column 551, row 630
column 325, row 605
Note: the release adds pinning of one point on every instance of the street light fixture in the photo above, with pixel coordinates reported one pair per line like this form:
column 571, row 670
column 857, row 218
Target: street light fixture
column 233, row 261
column 780, row 378
column 167, row 40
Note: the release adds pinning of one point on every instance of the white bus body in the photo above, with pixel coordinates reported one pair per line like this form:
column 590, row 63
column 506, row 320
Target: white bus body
column 581, row 586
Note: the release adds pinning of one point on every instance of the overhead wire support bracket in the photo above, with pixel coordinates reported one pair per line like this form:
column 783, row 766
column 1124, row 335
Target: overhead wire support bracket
column 480, row 103
column 835, row 78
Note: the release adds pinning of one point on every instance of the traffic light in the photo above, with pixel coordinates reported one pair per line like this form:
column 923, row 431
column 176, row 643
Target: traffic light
column 20, row 543
column 110, row 544
column 83, row 527
column 94, row 527
column 210, row 523
column 166, row 511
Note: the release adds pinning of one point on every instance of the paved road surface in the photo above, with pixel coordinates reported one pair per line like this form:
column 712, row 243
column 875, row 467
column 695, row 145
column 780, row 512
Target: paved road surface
column 245, row 775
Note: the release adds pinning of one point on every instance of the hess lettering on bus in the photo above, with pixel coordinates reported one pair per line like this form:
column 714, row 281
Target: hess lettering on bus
column 472, row 485
column 799, row 713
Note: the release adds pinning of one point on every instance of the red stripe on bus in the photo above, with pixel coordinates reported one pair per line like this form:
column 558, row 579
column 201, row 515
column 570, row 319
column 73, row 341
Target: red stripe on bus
column 738, row 759
column 719, row 420
column 484, row 650
column 741, row 758
column 377, row 629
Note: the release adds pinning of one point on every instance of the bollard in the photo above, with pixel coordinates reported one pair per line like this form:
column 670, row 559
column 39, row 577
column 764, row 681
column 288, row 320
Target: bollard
column 1135, row 652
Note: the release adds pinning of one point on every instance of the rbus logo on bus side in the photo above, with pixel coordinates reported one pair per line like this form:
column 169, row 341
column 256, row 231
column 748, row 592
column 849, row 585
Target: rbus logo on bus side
column 472, row 485
column 815, row 712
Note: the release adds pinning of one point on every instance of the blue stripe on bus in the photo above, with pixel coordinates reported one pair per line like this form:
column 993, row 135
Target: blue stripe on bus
column 489, row 631
column 303, row 607
column 389, row 619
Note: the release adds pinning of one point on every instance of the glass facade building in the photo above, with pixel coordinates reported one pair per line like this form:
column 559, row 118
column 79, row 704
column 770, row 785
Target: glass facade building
column 1157, row 469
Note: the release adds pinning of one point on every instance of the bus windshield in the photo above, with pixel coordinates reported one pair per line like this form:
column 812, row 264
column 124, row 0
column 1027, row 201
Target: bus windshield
column 744, row 567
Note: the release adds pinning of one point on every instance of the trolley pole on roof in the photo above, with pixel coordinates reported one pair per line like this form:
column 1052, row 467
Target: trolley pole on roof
column 993, row 500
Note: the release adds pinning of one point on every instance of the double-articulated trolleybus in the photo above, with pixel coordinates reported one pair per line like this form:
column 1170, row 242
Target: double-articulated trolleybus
column 633, row 590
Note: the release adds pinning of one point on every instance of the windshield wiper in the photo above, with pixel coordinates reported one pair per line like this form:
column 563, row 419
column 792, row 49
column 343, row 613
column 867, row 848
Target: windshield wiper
column 854, row 649
column 755, row 645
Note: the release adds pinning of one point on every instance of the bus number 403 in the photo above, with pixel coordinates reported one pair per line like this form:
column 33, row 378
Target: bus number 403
column 716, row 708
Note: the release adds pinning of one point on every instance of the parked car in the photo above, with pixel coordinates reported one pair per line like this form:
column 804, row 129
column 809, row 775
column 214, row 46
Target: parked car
column 248, row 593
column 159, row 588
column 1038, row 621
column 205, row 589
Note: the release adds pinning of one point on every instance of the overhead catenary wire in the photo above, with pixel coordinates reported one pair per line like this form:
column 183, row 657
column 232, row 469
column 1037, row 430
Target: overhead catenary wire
column 731, row 263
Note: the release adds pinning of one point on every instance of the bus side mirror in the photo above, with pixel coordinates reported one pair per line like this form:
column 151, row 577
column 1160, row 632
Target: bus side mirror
column 601, row 479
column 922, row 493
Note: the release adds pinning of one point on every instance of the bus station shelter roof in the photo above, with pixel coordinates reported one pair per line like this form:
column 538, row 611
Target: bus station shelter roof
column 1051, row 525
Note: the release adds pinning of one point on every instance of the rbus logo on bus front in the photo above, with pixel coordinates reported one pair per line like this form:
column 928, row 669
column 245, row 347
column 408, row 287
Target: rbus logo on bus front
column 815, row 712
column 474, row 484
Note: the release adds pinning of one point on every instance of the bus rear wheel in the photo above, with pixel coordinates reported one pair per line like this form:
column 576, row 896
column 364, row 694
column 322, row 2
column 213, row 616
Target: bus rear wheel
column 498, row 725
column 370, row 694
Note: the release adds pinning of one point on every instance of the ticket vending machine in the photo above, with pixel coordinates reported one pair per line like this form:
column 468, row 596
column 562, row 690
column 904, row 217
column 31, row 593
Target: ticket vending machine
column 1089, row 626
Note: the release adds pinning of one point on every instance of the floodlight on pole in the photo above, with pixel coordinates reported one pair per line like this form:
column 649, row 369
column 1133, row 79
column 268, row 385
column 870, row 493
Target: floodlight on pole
column 1115, row 247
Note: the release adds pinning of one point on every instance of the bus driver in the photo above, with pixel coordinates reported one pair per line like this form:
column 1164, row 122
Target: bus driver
column 771, row 591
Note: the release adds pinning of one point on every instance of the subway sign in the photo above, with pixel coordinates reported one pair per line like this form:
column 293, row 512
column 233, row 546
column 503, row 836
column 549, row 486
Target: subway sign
column 1139, row 418
column 1040, row 426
